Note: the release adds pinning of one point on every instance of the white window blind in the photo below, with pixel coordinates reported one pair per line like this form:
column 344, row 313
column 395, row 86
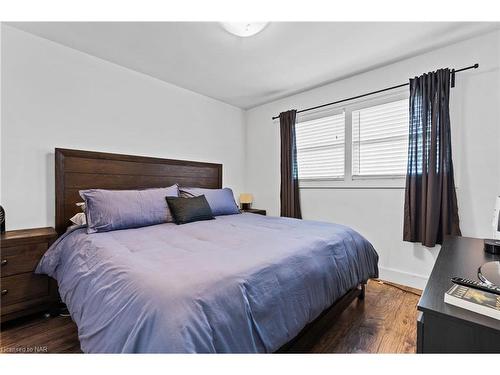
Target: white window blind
column 320, row 147
column 380, row 139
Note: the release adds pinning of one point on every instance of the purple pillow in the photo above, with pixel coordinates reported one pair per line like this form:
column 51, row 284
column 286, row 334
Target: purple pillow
column 108, row 210
column 221, row 201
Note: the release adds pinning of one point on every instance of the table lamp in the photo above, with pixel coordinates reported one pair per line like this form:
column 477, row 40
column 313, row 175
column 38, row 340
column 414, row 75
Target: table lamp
column 246, row 200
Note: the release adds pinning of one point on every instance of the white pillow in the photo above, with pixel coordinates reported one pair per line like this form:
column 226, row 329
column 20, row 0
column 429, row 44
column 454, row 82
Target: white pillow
column 79, row 219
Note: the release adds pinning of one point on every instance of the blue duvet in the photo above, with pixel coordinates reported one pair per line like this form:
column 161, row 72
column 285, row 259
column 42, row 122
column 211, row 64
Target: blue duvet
column 240, row 283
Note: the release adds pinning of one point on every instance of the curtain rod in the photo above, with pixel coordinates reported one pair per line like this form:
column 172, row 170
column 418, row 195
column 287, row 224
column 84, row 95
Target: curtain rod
column 475, row 66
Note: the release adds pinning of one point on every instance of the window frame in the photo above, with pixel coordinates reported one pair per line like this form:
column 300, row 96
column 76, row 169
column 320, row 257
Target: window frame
column 349, row 181
column 317, row 115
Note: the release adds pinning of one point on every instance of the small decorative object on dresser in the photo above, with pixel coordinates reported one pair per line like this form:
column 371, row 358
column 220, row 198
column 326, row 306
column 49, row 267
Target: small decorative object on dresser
column 2, row 220
column 496, row 220
column 493, row 245
column 255, row 211
column 23, row 292
column 246, row 200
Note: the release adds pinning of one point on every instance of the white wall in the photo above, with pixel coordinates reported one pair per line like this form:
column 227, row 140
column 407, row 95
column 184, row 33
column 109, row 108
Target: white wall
column 378, row 213
column 54, row 96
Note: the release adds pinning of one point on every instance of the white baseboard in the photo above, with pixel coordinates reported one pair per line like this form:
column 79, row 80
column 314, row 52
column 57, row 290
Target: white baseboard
column 403, row 278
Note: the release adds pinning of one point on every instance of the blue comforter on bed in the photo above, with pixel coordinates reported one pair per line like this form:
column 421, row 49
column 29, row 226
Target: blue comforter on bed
column 239, row 283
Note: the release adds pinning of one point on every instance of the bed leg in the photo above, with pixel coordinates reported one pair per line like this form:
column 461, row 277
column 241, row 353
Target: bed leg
column 362, row 288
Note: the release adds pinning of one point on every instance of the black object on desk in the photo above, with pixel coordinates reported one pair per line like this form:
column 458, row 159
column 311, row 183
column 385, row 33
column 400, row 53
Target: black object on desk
column 444, row 328
column 492, row 246
column 479, row 285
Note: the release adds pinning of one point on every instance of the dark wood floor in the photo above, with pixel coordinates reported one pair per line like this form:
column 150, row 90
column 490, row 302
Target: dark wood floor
column 385, row 322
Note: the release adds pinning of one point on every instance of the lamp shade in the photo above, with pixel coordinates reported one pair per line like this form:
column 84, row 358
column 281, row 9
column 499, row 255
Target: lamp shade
column 246, row 198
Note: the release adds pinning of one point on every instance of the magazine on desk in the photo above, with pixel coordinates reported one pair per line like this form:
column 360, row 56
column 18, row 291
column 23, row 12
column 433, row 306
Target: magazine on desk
column 474, row 300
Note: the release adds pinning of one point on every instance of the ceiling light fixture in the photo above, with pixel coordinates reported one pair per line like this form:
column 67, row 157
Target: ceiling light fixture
column 244, row 29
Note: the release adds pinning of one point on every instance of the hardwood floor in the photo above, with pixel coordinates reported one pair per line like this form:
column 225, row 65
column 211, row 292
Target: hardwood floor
column 385, row 322
column 40, row 335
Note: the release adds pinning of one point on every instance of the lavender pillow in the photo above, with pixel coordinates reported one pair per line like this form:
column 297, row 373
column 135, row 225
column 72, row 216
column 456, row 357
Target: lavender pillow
column 108, row 210
column 221, row 201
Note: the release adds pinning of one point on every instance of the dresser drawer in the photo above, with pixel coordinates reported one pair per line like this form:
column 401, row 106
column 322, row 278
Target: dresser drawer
column 23, row 287
column 21, row 259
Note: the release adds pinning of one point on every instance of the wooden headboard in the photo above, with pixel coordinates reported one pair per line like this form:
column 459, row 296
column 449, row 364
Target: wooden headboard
column 77, row 170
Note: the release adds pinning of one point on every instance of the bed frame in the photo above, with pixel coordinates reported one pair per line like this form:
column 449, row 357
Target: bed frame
column 77, row 170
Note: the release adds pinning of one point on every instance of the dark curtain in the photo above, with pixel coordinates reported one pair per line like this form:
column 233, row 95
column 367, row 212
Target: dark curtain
column 431, row 210
column 289, row 196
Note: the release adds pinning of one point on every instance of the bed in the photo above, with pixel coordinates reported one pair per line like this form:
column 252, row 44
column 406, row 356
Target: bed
column 241, row 283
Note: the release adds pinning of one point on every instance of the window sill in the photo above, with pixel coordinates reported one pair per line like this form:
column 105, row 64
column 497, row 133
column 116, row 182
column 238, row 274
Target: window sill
column 386, row 182
column 395, row 177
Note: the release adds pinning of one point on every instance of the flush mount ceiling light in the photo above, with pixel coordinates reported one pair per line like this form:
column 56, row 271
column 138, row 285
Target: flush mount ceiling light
column 244, row 29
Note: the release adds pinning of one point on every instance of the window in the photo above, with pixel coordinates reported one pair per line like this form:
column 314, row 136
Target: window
column 380, row 139
column 367, row 141
column 320, row 147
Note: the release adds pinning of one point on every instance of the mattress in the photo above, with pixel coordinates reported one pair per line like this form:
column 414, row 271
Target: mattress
column 242, row 283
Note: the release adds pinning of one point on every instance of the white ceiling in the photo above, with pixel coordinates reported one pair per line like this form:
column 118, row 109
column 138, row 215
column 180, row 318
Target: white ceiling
column 285, row 58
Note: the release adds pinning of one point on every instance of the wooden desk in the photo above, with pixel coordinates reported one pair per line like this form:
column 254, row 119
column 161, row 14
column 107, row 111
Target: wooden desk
column 444, row 328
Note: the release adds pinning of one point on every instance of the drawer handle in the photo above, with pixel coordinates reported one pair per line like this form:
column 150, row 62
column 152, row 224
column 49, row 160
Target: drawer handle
column 4, row 262
column 4, row 292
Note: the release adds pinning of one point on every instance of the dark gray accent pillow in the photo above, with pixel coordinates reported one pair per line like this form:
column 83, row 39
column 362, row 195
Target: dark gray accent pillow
column 188, row 210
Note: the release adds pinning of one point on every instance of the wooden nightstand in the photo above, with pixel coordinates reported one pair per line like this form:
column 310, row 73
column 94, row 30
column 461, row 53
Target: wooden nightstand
column 255, row 211
column 23, row 292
